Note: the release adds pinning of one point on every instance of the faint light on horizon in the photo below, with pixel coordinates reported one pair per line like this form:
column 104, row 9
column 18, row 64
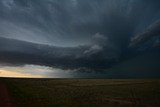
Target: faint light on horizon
column 34, row 71
column 6, row 73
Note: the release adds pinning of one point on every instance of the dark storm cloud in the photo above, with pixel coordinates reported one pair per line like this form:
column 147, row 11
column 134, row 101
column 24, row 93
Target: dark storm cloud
column 15, row 52
column 152, row 31
column 73, row 22
column 98, row 32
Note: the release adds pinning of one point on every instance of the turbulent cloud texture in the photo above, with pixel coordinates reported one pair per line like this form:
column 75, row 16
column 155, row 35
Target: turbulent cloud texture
column 75, row 33
column 150, row 32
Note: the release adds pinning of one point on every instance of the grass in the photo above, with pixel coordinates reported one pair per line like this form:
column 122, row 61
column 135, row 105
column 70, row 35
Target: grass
column 84, row 92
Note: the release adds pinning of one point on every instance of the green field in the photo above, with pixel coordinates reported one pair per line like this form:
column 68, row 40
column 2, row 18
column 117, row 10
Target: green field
column 84, row 92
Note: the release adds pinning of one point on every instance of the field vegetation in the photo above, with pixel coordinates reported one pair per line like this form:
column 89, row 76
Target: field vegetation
column 84, row 92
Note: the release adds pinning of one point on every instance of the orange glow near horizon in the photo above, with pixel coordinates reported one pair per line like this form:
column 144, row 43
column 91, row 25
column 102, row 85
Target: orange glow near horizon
column 33, row 71
column 7, row 73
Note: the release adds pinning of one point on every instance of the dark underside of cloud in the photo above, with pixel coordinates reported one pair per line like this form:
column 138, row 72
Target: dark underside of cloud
column 75, row 34
column 17, row 52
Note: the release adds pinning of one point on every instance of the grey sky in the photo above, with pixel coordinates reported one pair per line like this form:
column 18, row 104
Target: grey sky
column 74, row 22
column 73, row 34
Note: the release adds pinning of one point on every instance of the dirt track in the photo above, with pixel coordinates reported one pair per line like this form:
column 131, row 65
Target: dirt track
column 5, row 98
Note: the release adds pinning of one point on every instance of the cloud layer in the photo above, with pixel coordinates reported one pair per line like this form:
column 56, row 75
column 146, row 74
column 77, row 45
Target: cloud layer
column 73, row 22
column 75, row 33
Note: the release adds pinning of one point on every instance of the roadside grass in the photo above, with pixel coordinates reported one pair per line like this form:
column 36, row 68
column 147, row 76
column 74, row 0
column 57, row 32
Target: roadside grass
column 84, row 92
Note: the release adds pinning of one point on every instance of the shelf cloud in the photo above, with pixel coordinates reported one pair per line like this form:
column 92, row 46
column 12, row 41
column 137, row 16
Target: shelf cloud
column 75, row 34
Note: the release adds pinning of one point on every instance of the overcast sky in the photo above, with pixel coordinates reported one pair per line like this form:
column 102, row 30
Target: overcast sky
column 74, row 22
column 81, row 33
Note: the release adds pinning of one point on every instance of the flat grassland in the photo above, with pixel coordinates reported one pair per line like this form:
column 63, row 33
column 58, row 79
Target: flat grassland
column 84, row 92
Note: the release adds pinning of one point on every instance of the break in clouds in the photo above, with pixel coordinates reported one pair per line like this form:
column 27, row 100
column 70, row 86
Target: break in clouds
column 75, row 34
